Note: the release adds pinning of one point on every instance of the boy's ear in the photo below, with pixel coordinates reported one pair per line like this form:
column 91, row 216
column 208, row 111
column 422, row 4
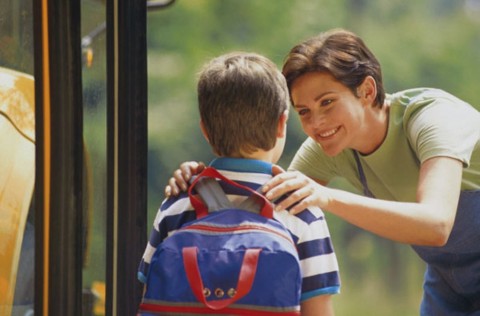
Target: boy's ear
column 204, row 131
column 282, row 125
column 367, row 91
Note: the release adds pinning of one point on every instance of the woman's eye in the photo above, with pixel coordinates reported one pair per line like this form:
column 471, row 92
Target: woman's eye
column 302, row 112
column 326, row 102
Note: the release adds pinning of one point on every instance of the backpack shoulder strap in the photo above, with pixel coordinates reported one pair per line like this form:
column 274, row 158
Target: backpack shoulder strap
column 212, row 194
column 215, row 198
column 252, row 203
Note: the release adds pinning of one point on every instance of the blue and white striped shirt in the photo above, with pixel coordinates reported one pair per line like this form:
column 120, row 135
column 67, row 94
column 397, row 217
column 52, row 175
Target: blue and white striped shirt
column 308, row 229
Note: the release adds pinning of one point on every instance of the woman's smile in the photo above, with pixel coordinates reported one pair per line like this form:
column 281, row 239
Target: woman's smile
column 329, row 133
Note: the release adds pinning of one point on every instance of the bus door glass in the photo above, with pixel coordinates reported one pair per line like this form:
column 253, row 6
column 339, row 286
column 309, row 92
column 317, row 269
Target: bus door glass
column 94, row 83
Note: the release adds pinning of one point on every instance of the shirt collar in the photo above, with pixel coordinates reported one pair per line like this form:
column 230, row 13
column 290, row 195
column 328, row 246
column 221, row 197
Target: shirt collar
column 242, row 165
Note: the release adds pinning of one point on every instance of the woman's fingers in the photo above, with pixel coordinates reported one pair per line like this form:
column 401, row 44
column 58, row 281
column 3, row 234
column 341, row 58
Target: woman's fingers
column 276, row 169
column 181, row 176
column 172, row 188
column 297, row 199
column 301, row 192
column 181, row 179
column 282, row 184
column 190, row 168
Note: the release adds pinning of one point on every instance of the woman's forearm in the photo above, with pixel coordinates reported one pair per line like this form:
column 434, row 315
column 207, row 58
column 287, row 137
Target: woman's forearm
column 410, row 223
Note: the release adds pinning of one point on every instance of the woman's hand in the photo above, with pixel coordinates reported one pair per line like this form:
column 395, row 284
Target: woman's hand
column 303, row 191
column 181, row 176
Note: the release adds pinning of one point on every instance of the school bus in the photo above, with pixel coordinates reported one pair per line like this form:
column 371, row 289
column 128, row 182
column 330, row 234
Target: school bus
column 73, row 155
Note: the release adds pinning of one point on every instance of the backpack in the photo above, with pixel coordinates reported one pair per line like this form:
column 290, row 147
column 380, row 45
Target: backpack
column 231, row 260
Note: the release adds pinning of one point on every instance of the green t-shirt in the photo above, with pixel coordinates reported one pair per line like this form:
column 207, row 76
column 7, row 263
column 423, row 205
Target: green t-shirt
column 423, row 123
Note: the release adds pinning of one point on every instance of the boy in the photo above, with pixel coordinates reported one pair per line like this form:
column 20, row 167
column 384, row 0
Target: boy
column 243, row 102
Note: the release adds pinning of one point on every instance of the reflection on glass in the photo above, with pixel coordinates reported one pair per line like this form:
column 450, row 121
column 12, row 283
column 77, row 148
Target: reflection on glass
column 95, row 138
column 17, row 177
column 17, row 158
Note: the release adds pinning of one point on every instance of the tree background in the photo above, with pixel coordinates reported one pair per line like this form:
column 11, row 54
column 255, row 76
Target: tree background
column 426, row 43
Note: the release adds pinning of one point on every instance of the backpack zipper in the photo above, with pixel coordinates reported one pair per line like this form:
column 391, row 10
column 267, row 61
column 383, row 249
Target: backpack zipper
column 243, row 228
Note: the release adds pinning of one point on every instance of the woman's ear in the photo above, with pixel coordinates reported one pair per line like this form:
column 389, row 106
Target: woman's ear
column 367, row 91
column 282, row 125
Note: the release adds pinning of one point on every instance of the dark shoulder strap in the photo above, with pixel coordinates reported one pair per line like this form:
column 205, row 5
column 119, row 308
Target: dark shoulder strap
column 361, row 174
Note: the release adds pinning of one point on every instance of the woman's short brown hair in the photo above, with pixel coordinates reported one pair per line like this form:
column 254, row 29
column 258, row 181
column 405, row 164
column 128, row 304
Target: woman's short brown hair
column 339, row 52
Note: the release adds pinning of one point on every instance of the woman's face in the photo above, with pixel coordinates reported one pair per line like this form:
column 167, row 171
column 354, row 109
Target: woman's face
column 329, row 112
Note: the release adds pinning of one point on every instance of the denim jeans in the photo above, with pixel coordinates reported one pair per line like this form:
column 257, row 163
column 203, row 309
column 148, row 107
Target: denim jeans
column 452, row 279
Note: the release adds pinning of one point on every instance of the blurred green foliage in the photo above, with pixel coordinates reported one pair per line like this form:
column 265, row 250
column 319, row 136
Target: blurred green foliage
column 432, row 43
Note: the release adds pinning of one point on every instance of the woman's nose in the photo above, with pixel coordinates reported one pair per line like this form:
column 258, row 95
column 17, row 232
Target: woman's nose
column 318, row 119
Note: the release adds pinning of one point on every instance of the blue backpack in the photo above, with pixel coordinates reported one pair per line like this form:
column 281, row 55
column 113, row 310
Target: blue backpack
column 231, row 260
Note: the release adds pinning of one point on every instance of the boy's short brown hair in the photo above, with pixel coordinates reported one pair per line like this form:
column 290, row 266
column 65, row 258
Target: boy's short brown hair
column 241, row 97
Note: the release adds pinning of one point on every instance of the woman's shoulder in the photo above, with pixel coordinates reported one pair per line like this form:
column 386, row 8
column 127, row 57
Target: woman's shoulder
column 412, row 102
column 417, row 96
column 436, row 123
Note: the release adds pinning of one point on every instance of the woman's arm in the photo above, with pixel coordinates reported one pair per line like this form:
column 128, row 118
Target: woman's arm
column 428, row 221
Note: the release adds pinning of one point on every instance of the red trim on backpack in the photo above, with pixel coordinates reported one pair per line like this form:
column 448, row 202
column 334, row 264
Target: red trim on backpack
column 146, row 307
column 241, row 228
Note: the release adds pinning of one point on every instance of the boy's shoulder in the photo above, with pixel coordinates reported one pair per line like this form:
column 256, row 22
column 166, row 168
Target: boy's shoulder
column 308, row 215
column 309, row 222
column 175, row 211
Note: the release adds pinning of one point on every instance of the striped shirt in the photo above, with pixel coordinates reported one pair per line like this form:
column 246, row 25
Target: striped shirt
column 308, row 229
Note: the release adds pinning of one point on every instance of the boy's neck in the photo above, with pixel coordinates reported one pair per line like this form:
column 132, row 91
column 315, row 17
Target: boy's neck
column 267, row 156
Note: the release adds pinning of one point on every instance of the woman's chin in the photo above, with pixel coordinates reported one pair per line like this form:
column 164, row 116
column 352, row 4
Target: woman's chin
column 331, row 151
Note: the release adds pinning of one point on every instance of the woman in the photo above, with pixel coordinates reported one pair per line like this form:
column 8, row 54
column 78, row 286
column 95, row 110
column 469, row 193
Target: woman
column 415, row 154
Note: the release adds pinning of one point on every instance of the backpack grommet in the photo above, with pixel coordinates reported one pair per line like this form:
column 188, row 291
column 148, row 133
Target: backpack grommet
column 231, row 292
column 207, row 292
column 219, row 292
